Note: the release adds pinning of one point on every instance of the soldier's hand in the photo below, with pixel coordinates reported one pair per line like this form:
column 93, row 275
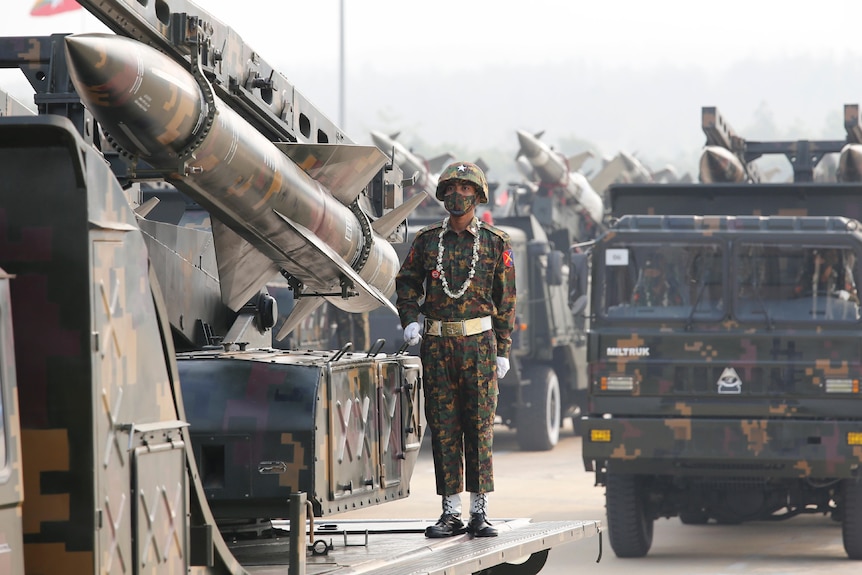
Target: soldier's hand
column 502, row 367
column 411, row 333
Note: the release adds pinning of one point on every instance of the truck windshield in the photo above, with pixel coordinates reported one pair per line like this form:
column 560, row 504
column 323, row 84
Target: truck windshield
column 682, row 281
column 795, row 283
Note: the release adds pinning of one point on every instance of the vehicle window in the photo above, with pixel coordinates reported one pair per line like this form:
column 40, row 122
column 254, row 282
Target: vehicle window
column 682, row 281
column 795, row 283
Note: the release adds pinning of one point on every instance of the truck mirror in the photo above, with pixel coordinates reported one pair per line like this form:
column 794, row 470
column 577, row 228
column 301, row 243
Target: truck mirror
column 555, row 268
column 579, row 305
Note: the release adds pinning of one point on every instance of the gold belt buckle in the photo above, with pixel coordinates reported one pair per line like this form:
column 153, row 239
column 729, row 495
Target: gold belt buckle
column 453, row 328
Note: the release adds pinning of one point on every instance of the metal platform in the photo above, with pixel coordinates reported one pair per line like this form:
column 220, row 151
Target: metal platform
column 399, row 547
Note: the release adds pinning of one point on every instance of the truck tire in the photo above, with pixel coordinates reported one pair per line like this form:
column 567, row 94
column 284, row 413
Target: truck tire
column 538, row 422
column 629, row 527
column 851, row 527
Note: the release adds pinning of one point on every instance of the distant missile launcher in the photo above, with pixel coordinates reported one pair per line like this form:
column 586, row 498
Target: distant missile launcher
column 730, row 158
column 553, row 172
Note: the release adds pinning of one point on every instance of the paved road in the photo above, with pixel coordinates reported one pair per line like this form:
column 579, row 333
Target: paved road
column 553, row 486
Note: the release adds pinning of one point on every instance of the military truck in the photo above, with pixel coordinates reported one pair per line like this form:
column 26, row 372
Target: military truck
column 147, row 422
column 724, row 357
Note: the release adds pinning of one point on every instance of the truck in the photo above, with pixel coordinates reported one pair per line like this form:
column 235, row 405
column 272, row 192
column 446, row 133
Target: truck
column 148, row 423
column 724, row 346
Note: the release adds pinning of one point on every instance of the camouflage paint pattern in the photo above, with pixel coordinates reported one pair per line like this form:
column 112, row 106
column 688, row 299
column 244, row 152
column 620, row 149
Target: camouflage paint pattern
column 728, row 394
column 491, row 291
column 268, row 423
column 97, row 384
column 468, row 172
column 460, row 404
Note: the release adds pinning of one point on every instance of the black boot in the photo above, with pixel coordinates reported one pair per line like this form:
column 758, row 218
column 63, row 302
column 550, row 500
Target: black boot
column 448, row 525
column 450, row 522
column 478, row 525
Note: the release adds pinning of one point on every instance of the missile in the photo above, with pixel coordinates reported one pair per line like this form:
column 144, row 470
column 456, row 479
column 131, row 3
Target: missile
column 411, row 164
column 270, row 211
column 553, row 171
column 720, row 165
column 850, row 163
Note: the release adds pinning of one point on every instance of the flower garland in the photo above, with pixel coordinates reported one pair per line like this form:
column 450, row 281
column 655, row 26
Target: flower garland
column 440, row 271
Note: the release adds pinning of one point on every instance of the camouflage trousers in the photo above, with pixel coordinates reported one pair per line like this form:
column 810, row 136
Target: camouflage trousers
column 460, row 376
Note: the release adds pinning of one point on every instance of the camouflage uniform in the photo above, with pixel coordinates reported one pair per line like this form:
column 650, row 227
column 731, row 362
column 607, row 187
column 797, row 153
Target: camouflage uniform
column 460, row 372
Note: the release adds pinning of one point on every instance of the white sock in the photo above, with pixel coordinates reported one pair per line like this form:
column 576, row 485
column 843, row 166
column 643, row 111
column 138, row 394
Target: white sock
column 452, row 504
column 478, row 502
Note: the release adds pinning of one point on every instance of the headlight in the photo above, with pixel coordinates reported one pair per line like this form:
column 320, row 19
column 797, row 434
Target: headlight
column 842, row 385
column 617, row 383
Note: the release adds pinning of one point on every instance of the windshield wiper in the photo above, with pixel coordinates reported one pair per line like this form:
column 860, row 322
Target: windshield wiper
column 769, row 325
column 704, row 279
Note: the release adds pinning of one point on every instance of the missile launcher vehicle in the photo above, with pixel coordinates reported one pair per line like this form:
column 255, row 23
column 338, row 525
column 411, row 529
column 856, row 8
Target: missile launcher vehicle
column 724, row 349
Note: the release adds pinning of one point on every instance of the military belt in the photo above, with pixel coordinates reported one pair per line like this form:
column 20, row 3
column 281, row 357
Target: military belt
column 457, row 328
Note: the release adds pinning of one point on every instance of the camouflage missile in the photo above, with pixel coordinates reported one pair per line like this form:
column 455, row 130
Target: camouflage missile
column 850, row 163
column 553, row 171
column 720, row 165
column 269, row 214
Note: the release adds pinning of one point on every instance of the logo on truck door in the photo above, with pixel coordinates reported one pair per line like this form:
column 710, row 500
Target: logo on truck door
column 729, row 382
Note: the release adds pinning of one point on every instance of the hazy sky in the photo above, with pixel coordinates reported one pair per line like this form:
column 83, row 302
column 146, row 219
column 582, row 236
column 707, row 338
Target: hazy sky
column 441, row 53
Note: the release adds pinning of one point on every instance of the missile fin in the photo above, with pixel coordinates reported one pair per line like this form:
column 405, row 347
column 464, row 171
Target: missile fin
column 343, row 169
column 144, row 209
column 342, row 265
column 389, row 222
column 303, row 308
column 608, row 174
column 576, row 161
column 243, row 270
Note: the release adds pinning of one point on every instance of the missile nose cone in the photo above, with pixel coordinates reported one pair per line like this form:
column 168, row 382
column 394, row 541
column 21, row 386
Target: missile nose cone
column 379, row 140
column 529, row 144
column 718, row 164
column 149, row 104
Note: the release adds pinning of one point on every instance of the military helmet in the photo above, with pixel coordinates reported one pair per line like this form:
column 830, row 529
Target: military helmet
column 468, row 172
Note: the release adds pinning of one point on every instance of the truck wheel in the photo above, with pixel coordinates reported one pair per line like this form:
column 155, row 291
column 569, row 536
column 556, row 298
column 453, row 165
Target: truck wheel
column 629, row 528
column 538, row 422
column 851, row 527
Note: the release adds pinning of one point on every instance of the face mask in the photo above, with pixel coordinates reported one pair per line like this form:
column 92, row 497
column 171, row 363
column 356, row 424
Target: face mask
column 458, row 205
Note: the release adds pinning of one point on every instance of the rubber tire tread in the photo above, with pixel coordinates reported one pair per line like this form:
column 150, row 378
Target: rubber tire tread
column 851, row 526
column 629, row 529
column 532, row 423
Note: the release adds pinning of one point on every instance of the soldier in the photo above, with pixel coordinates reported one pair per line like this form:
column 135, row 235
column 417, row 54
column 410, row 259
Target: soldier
column 653, row 287
column 464, row 271
column 826, row 273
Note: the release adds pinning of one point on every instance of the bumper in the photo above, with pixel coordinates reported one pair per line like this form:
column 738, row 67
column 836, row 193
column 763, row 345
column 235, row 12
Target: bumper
column 727, row 447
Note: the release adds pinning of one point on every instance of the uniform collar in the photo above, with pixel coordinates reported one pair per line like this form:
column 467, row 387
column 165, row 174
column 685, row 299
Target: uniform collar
column 472, row 227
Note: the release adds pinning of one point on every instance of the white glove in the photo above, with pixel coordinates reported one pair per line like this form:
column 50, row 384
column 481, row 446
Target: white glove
column 411, row 333
column 844, row 295
column 502, row 367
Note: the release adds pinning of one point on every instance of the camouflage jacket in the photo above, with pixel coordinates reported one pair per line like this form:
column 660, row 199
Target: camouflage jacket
column 491, row 291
